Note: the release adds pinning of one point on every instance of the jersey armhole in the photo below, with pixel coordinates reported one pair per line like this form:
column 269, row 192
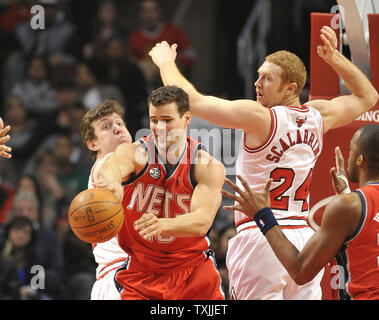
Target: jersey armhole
column 362, row 219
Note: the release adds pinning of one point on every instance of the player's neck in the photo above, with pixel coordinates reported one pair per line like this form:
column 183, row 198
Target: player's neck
column 173, row 154
column 365, row 180
column 292, row 101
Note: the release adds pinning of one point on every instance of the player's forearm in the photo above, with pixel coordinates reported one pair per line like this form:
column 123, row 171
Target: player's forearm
column 355, row 80
column 110, row 173
column 187, row 225
column 288, row 255
column 171, row 76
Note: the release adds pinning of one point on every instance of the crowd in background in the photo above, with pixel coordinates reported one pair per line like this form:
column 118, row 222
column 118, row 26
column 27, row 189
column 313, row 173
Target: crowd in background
column 88, row 52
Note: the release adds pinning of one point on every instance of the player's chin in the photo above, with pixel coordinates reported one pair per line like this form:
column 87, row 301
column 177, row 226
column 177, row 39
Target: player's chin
column 260, row 99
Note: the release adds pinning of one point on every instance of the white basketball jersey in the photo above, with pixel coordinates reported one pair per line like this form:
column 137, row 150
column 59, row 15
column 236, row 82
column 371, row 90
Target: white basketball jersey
column 108, row 255
column 287, row 156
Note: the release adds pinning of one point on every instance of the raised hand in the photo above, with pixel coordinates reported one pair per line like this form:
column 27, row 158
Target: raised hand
column 248, row 201
column 162, row 52
column 329, row 43
column 338, row 174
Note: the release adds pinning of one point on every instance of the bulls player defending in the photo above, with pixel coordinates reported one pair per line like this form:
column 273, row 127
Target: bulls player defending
column 171, row 193
column 102, row 129
column 281, row 140
column 349, row 230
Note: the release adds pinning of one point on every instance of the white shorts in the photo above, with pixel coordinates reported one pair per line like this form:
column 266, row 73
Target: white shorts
column 255, row 273
column 105, row 288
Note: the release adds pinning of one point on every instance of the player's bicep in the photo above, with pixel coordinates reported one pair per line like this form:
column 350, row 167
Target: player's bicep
column 339, row 111
column 207, row 197
column 236, row 114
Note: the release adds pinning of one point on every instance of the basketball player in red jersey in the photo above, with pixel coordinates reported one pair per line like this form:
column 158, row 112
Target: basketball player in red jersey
column 103, row 129
column 171, row 199
column 282, row 140
column 349, row 230
column 4, row 137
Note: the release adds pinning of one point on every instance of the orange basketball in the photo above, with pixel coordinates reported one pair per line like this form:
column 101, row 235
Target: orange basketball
column 95, row 215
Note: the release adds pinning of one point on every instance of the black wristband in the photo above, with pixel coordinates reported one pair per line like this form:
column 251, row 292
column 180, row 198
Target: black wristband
column 265, row 219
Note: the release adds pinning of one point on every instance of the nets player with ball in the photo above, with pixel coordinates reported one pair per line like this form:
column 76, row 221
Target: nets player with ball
column 102, row 129
column 171, row 193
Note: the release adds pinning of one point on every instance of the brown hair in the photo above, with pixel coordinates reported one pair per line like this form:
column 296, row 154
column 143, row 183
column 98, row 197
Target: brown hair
column 293, row 69
column 87, row 132
column 169, row 94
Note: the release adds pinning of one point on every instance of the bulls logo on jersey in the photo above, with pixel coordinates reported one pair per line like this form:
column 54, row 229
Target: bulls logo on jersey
column 155, row 173
column 300, row 121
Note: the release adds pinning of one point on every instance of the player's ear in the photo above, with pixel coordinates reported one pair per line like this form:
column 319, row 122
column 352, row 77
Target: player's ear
column 188, row 117
column 361, row 161
column 92, row 145
column 291, row 88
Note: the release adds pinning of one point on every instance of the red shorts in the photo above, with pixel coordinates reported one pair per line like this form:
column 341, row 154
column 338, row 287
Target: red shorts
column 201, row 282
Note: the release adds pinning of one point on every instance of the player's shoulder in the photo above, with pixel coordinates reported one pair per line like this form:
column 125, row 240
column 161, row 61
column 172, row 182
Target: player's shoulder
column 321, row 105
column 344, row 209
column 346, row 202
column 203, row 157
column 208, row 166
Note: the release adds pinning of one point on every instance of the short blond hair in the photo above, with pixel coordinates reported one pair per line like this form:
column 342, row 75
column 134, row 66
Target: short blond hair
column 293, row 68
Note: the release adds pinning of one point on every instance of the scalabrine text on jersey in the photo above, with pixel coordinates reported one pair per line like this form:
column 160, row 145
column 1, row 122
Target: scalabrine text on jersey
column 294, row 138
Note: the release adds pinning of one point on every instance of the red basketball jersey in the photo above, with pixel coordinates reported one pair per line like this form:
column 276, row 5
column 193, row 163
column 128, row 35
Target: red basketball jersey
column 166, row 193
column 358, row 259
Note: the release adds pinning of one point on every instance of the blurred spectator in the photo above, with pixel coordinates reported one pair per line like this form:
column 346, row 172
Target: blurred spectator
column 12, row 16
column 58, row 36
column 47, row 251
column 72, row 176
column 225, row 235
column 117, row 68
column 7, row 188
column 106, row 25
column 16, row 247
column 35, row 91
column 54, row 201
column 29, row 183
column 9, row 281
column 92, row 92
column 153, row 30
column 26, row 134
column 80, row 267
column 18, row 12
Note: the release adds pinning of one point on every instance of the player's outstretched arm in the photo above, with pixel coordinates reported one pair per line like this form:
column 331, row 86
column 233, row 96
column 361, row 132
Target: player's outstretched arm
column 118, row 166
column 206, row 199
column 247, row 115
column 340, row 219
column 343, row 109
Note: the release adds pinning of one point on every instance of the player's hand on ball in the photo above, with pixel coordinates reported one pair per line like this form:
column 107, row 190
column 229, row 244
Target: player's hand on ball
column 116, row 188
column 148, row 226
column 248, row 201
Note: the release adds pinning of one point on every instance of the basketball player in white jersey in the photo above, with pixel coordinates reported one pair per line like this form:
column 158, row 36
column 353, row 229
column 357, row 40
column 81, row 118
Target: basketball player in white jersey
column 102, row 130
column 282, row 140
